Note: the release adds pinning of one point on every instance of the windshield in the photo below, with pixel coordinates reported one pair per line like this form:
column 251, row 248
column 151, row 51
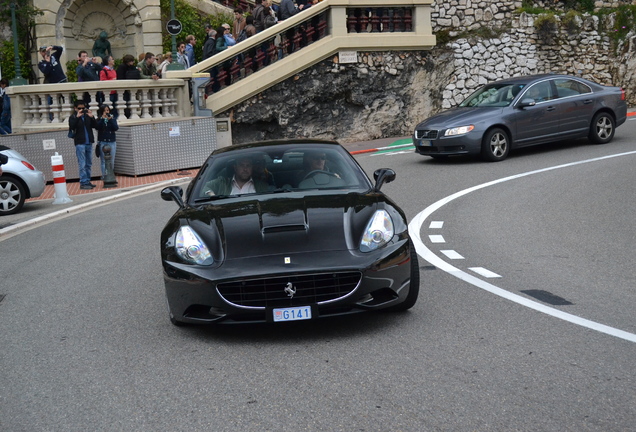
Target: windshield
column 278, row 169
column 493, row 95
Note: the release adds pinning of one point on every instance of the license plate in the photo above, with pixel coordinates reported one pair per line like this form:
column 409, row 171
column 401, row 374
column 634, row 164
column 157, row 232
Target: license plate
column 292, row 313
column 426, row 143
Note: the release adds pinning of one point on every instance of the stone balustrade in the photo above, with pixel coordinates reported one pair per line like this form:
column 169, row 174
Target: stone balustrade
column 48, row 106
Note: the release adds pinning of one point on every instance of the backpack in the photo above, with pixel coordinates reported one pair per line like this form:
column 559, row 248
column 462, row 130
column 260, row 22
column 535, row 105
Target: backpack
column 269, row 21
column 242, row 36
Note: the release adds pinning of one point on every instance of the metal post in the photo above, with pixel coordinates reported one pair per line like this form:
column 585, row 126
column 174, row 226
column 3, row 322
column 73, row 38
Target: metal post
column 18, row 80
column 174, row 65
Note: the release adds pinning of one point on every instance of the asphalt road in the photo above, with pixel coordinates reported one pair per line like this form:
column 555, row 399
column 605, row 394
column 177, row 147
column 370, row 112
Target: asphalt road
column 87, row 345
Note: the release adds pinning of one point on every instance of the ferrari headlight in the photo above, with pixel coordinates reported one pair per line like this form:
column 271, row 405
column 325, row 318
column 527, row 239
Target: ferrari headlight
column 191, row 248
column 461, row 130
column 378, row 233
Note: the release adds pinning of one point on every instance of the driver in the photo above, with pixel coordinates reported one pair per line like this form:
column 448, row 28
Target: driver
column 241, row 183
column 313, row 160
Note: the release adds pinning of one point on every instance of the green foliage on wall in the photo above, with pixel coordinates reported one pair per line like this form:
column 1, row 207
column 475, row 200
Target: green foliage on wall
column 193, row 22
column 7, row 61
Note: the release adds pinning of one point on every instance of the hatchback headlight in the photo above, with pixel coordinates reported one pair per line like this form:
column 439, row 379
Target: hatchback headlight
column 191, row 248
column 378, row 233
column 460, row 130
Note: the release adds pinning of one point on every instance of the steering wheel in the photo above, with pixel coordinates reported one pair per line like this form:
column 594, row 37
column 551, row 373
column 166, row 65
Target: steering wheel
column 310, row 174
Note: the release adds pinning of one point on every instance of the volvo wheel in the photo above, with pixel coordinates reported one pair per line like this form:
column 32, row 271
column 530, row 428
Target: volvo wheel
column 602, row 128
column 495, row 145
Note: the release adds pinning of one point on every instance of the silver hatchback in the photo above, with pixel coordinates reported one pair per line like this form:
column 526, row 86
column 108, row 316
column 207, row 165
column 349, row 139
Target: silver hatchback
column 18, row 182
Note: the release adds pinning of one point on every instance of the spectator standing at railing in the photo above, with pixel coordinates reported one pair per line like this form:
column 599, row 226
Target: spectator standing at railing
column 227, row 34
column 208, row 27
column 189, row 49
column 181, row 55
column 259, row 16
column 5, row 105
column 209, row 48
column 108, row 73
column 148, row 67
column 250, row 29
column 288, row 9
column 270, row 17
column 50, row 65
column 127, row 71
column 87, row 69
column 239, row 25
column 163, row 66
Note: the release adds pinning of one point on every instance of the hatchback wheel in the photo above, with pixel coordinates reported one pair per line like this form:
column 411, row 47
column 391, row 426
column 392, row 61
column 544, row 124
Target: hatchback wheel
column 495, row 145
column 12, row 195
column 602, row 128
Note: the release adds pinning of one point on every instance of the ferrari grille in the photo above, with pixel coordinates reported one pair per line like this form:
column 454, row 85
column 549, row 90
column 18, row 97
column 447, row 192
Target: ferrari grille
column 276, row 291
column 425, row 134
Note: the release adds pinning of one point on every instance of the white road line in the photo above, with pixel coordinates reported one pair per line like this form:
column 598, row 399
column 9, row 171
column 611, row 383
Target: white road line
column 416, row 225
column 484, row 272
column 436, row 224
column 437, row 239
column 452, row 254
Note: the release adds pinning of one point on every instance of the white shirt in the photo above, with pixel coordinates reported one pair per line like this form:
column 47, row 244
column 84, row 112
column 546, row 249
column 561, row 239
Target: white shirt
column 248, row 187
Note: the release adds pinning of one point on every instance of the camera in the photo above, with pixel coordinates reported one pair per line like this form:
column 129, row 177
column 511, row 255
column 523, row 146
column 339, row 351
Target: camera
column 85, row 110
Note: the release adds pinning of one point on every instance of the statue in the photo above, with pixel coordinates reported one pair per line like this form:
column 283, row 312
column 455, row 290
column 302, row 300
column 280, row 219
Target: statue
column 101, row 47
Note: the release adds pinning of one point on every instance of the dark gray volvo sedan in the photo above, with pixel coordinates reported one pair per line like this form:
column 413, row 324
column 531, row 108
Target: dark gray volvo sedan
column 523, row 111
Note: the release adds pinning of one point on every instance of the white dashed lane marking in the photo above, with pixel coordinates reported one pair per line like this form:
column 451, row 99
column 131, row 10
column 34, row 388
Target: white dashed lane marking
column 415, row 228
column 452, row 254
column 484, row 272
column 437, row 239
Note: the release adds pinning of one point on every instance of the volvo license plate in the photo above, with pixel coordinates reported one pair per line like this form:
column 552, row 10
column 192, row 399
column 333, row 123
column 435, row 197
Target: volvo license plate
column 426, row 143
column 292, row 313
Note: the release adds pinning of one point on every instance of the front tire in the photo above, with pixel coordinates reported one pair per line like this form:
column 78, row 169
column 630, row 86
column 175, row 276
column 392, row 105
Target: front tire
column 602, row 128
column 414, row 285
column 12, row 195
column 495, row 145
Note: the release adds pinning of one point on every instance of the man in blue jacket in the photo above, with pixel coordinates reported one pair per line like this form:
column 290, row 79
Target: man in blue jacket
column 50, row 65
column 82, row 123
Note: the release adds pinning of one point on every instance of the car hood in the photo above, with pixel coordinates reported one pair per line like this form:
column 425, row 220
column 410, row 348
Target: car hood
column 461, row 116
column 285, row 225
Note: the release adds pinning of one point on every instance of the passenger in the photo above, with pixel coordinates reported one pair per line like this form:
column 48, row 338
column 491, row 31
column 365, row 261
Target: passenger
column 241, row 183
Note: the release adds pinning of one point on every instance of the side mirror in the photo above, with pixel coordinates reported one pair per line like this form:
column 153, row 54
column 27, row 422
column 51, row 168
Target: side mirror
column 173, row 193
column 383, row 175
column 526, row 102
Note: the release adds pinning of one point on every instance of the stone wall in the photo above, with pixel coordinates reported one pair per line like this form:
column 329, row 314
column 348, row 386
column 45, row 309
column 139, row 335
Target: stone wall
column 387, row 94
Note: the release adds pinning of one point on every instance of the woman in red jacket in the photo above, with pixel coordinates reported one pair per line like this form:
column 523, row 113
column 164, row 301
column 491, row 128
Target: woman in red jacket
column 108, row 73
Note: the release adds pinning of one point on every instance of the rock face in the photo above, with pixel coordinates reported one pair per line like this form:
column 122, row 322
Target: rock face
column 384, row 94
column 387, row 94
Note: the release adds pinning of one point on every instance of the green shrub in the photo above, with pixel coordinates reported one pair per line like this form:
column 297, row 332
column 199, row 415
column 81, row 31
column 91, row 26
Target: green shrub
column 571, row 21
column 7, row 61
column 546, row 25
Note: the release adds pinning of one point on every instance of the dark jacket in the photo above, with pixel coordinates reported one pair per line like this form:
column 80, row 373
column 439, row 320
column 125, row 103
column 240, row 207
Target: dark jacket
column 287, row 10
column 52, row 71
column 82, row 127
column 125, row 71
column 90, row 72
column 106, row 129
column 209, row 48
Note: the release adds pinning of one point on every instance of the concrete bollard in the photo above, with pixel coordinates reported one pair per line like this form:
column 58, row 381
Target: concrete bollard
column 109, row 176
column 59, row 180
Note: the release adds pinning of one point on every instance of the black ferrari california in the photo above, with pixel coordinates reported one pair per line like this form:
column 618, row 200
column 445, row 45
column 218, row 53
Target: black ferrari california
column 282, row 231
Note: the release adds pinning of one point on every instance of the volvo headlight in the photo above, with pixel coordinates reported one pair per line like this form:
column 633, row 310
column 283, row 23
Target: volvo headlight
column 191, row 248
column 378, row 233
column 461, row 130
